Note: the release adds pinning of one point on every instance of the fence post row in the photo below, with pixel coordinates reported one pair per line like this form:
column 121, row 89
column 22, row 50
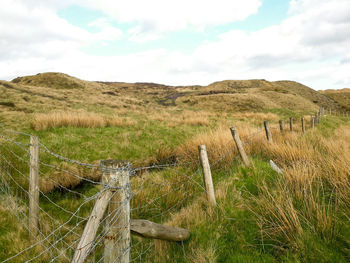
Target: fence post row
column 239, row 146
column 208, row 181
column 268, row 132
column 34, row 188
column 116, row 195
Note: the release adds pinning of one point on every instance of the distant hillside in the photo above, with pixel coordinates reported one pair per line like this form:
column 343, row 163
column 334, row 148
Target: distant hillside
column 51, row 80
column 47, row 92
column 342, row 96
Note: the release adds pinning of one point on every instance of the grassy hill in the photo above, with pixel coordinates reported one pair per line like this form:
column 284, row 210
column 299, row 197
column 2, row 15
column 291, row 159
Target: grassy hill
column 301, row 215
column 342, row 97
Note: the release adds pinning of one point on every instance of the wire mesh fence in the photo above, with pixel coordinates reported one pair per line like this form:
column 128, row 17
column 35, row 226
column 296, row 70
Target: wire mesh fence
column 70, row 191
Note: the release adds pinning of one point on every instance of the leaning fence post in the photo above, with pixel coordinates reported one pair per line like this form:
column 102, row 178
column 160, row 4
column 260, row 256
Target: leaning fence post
column 34, row 188
column 268, row 132
column 239, row 145
column 208, row 181
column 303, row 124
column 281, row 125
column 115, row 180
column 117, row 229
column 291, row 124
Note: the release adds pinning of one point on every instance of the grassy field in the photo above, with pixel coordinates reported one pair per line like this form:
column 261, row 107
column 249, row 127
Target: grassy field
column 261, row 216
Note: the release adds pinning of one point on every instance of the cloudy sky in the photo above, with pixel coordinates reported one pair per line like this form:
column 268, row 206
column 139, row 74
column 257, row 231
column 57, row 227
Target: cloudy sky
column 178, row 42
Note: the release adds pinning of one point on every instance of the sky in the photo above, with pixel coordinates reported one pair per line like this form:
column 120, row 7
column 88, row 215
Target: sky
column 181, row 42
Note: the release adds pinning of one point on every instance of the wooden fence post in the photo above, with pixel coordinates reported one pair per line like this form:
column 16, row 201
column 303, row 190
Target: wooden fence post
column 208, row 181
column 114, row 174
column 330, row 111
column 239, row 146
column 303, row 124
column 268, row 132
column 34, row 188
column 291, row 124
column 281, row 125
column 312, row 122
column 117, row 238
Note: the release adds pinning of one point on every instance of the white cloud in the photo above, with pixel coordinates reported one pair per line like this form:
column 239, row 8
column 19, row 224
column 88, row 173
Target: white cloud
column 311, row 45
column 156, row 17
column 36, row 31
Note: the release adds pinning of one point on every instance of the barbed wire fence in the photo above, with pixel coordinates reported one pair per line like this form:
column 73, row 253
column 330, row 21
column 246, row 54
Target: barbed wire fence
column 85, row 212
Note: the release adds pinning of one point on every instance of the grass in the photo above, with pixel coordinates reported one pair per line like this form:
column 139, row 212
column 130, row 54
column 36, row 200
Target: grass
column 300, row 216
column 76, row 119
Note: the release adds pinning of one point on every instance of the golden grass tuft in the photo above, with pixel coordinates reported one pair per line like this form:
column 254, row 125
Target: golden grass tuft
column 76, row 119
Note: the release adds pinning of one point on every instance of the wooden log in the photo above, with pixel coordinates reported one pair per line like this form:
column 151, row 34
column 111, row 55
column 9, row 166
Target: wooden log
column 34, row 188
column 281, row 125
column 208, row 181
column 268, row 132
column 150, row 229
column 239, row 146
column 117, row 238
column 291, row 124
column 90, row 230
column 303, row 124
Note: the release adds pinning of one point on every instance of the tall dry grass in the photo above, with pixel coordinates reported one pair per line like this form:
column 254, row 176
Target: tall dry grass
column 191, row 118
column 313, row 194
column 311, row 197
column 76, row 119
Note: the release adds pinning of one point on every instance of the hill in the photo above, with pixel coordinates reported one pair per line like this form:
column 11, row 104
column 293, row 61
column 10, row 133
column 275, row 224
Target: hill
column 342, row 97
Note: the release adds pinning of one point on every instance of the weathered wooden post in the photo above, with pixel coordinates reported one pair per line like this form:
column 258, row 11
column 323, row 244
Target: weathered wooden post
column 239, row 146
column 208, row 181
column 34, row 188
column 303, row 124
column 117, row 229
column 291, row 124
column 281, row 125
column 268, row 132
column 330, row 111
column 312, row 122
column 116, row 194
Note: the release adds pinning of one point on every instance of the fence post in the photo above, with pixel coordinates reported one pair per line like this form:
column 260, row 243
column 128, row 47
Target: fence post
column 268, row 132
column 114, row 174
column 117, row 229
column 291, row 124
column 330, row 111
column 312, row 122
column 208, row 181
column 281, row 125
column 239, row 145
column 34, row 188
column 303, row 124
